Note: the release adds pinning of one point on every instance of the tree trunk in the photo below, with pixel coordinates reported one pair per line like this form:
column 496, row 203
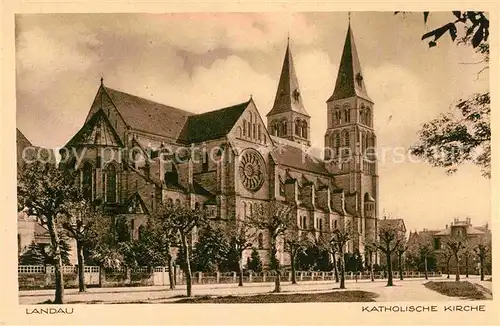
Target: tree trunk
column 101, row 274
column 187, row 265
column 342, row 271
column 372, row 275
column 171, row 279
column 481, row 268
column 293, row 253
column 335, row 268
column 58, row 266
column 389, row 269
column 81, row 267
column 400, row 265
column 277, row 279
column 466, row 266
column 457, row 271
column 448, row 267
column 240, row 270
column 425, row 268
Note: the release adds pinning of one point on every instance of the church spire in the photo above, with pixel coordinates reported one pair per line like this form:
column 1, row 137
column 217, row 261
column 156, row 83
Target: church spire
column 350, row 79
column 288, row 97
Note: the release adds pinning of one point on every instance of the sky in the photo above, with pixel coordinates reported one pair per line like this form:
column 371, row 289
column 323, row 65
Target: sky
column 204, row 61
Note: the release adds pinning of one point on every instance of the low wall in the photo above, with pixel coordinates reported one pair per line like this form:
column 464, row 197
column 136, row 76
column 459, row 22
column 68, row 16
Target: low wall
column 40, row 277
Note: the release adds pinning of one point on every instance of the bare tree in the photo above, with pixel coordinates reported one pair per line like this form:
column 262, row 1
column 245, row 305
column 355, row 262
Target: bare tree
column 295, row 241
column 446, row 255
column 79, row 221
column 402, row 248
column 44, row 191
column 241, row 235
column 324, row 242
column 482, row 249
column 165, row 234
column 276, row 219
column 388, row 243
column 456, row 243
column 184, row 220
column 339, row 239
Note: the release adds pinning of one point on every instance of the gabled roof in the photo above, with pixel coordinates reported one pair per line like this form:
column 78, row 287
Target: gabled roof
column 145, row 115
column 288, row 96
column 96, row 131
column 397, row 223
column 213, row 124
column 350, row 81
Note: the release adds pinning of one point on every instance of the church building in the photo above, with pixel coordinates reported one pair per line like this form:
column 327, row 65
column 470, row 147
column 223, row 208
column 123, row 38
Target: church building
column 231, row 161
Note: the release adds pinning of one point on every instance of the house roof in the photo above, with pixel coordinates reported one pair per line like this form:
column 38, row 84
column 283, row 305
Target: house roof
column 213, row 124
column 140, row 113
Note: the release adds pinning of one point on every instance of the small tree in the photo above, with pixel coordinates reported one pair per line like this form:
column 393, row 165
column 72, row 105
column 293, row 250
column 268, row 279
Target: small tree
column 402, row 248
column 255, row 263
column 78, row 221
column 388, row 243
column 295, row 241
column 241, row 235
column 324, row 242
column 184, row 220
column 456, row 243
column 482, row 249
column 43, row 191
column 211, row 249
column 276, row 219
column 339, row 239
column 32, row 256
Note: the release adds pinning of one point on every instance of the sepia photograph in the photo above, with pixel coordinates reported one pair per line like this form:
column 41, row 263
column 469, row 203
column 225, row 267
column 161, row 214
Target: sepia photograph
column 254, row 158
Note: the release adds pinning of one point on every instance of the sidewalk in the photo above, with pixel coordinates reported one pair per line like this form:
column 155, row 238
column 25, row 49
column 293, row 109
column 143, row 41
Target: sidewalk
column 407, row 290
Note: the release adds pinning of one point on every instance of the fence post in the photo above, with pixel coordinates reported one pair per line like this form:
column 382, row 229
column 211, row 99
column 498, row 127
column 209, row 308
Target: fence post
column 301, row 276
column 289, row 276
column 322, row 276
column 250, row 276
column 263, row 276
column 234, row 277
column 217, row 277
column 312, row 276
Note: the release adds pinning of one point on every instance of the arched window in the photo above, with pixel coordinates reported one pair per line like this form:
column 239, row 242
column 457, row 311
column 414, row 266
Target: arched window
column 363, row 143
column 304, row 129
column 260, row 133
column 177, row 202
column 170, row 202
column 250, row 207
column 87, row 178
column 260, row 241
column 197, row 206
column 140, row 232
column 347, row 118
column 297, row 127
column 321, row 225
column 335, row 224
column 337, row 143
column 239, row 132
column 111, row 184
column 362, row 114
column 345, row 136
column 284, row 126
column 244, row 209
column 368, row 117
column 244, row 128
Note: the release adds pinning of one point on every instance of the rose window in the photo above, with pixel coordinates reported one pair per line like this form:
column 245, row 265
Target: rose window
column 252, row 170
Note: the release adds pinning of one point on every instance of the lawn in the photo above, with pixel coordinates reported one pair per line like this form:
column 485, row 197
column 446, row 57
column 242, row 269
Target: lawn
column 463, row 290
column 336, row 296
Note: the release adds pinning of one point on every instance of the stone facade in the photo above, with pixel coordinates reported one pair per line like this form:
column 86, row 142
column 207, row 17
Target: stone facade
column 134, row 153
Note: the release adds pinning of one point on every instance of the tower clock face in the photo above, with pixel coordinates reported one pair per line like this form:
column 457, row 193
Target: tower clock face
column 252, row 170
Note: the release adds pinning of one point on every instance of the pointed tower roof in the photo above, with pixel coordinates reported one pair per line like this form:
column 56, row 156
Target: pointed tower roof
column 288, row 96
column 350, row 79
